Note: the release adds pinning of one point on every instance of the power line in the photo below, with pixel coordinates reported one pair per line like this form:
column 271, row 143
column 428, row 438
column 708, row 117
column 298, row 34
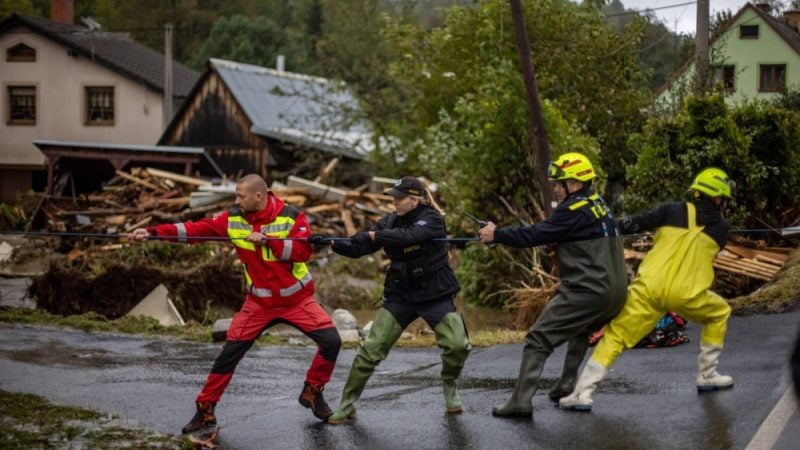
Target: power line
column 638, row 11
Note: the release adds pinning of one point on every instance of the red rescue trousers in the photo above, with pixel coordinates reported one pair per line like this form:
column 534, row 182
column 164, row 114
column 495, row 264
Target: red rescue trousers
column 307, row 316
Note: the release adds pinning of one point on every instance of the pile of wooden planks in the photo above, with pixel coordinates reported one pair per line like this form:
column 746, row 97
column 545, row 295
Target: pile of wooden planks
column 147, row 196
column 734, row 260
column 753, row 263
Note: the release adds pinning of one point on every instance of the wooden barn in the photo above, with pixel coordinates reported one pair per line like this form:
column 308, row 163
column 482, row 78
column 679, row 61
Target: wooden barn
column 253, row 119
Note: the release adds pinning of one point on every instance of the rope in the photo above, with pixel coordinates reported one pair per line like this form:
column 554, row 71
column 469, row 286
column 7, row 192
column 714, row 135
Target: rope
column 193, row 238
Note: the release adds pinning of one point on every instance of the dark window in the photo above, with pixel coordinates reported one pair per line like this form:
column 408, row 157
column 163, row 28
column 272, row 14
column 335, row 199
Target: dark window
column 20, row 52
column 725, row 76
column 748, row 32
column 99, row 105
column 22, row 105
column 772, row 77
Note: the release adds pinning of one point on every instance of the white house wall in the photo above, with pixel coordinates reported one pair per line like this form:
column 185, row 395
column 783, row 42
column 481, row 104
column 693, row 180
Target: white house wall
column 60, row 82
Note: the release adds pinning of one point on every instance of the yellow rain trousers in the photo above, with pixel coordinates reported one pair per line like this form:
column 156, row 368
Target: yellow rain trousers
column 675, row 276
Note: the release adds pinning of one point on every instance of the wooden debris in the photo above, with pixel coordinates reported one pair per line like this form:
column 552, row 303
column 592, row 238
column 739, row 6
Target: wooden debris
column 739, row 260
column 147, row 196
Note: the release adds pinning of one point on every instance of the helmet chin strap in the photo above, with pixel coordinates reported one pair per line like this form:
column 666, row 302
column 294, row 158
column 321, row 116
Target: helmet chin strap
column 565, row 186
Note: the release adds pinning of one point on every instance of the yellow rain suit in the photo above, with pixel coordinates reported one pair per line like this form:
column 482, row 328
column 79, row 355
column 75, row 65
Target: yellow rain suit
column 675, row 276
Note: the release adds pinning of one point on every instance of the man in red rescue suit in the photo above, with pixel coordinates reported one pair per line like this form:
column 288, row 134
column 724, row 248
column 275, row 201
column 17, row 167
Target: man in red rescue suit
column 676, row 275
column 270, row 238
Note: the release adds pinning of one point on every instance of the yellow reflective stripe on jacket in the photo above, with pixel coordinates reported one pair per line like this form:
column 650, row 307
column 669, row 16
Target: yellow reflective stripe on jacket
column 238, row 227
column 599, row 209
column 238, row 230
column 279, row 228
column 680, row 264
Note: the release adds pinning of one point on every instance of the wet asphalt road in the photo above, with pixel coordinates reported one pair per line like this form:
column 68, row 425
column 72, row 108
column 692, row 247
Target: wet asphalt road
column 647, row 402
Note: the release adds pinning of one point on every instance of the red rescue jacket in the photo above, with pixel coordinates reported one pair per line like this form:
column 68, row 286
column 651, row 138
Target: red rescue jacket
column 275, row 271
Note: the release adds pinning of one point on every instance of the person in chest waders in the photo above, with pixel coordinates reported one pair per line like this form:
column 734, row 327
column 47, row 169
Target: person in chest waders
column 676, row 275
column 419, row 283
column 591, row 265
column 279, row 290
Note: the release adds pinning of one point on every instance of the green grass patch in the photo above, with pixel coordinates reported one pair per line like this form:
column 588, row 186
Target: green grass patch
column 30, row 421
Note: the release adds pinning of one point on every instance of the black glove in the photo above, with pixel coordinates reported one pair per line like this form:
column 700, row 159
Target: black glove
column 362, row 237
column 320, row 239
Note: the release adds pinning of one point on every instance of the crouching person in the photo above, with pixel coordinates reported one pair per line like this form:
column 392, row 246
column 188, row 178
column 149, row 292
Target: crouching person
column 675, row 275
column 419, row 283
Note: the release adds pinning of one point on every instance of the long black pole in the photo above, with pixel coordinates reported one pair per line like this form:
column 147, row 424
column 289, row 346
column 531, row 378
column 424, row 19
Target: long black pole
column 538, row 132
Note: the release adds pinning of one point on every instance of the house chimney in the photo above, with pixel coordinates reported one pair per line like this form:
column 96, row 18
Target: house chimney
column 792, row 18
column 62, row 11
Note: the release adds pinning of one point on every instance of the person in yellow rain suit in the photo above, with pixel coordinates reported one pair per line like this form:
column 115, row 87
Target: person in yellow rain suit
column 675, row 276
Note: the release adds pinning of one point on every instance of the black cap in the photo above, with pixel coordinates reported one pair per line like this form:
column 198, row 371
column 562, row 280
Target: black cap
column 406, row 186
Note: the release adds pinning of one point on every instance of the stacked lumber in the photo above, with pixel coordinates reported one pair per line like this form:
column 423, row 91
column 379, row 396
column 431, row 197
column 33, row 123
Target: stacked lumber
column 753, row 263
column 736, row 260
column 148, row 196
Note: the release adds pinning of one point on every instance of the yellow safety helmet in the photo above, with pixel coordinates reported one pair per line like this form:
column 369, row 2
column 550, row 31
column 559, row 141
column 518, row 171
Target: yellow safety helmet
column 571, row 166
column 713, row 182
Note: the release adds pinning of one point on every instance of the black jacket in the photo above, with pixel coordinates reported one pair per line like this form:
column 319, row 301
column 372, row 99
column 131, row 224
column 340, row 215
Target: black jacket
column 419, row 271
column 674, row 214
column 590, row 254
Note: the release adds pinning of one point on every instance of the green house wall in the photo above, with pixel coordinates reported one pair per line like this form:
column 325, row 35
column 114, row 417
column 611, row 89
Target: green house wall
column 746, row 55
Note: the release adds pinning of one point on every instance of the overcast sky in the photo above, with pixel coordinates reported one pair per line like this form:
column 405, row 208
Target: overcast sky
column 683, row 17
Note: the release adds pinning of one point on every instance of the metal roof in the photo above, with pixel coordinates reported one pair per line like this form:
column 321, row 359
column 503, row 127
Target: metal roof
column 301, row 109
column 43, row 144
column 121, row 147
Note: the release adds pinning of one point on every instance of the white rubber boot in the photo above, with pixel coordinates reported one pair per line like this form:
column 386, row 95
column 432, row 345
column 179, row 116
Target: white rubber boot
column 707, row 377
column 581, row 397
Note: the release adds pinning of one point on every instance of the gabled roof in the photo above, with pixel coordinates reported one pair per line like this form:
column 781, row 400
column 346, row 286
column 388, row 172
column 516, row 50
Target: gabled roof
column 115, row 51
column 786, row 32
column 309, row 111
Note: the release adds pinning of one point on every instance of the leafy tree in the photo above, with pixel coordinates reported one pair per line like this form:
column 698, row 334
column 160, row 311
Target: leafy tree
column 21, row 6
column 591, row 76
column 238, row 38
column 758, row 144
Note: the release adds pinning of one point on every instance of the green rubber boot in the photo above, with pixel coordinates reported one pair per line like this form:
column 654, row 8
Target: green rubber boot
column 576, row 350
column 451, row 336
column 384, row 333
column 530, row 369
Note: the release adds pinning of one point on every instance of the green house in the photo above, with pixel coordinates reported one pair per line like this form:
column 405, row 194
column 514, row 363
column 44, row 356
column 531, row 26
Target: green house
column 753, row 56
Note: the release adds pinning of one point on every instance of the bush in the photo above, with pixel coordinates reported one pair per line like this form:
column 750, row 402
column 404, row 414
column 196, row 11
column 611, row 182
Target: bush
column 757, row 144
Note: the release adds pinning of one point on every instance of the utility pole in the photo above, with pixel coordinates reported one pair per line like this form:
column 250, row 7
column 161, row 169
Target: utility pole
column 167, row 74
column 701, row 48
column 538, row 132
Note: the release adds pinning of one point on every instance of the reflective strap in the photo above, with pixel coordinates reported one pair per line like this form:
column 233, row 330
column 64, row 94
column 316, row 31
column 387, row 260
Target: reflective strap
column 238, row 230
column 277, row 228
column 181, row 232
column 287, row 250
column 237, row 225
column 259, row 292
column 296, row 287
column 579, row 204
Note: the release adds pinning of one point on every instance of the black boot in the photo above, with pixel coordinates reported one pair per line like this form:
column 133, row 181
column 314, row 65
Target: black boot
column 530, row 370
column 203, row 418
column 576, row 350
column 311, row 397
